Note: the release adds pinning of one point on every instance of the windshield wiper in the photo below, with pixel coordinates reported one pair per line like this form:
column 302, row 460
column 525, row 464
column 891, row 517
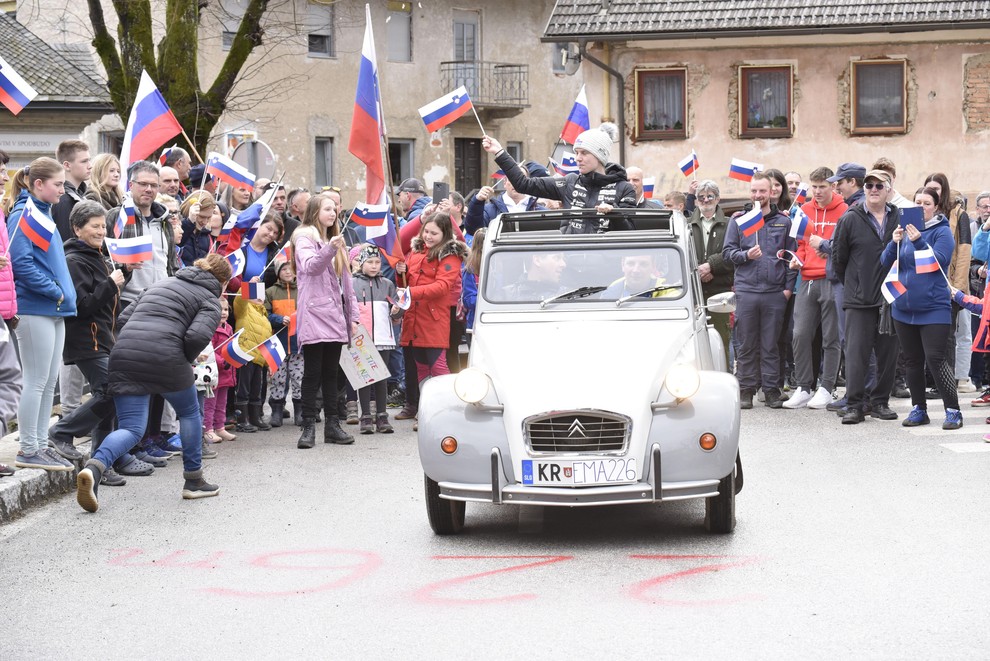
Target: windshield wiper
column 651, row 290
column 580, row 292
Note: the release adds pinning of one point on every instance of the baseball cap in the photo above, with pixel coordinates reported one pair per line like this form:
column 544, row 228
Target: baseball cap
column 848, row 171
column 879, row 175
column 412, row 185
column 196, row 173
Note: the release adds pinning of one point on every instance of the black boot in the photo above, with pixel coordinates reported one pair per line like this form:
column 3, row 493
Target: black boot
column 342, row 405
column 87, row 484
column 256, row 416
column 196, row 487
column 297, row 412
column 308, row 437
column 332, row 432
column 278, row 411
column 242, row 419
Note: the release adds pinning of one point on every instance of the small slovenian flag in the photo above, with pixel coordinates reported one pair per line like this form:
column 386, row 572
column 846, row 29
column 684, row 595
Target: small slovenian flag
column 15, row 92
column 254, row 291
column 689, row 164
column 568, row 161
column 229, row 172
column 743, row 170
column 232, row 352
column 165, row 155
column 126, row 216
column 130, row 251
column 892, row 287
column 578, row 121
column 369, row 215
column 924, row 260
column 498, row 174
column 446, row 110
column 800, row 224
column 237, row 262
column 751, row 222
column 37, row 226
column 273, row 353
column 557, row 168
column 285, row 252
column 801, row 194
column 293, row 319
column 649, row 183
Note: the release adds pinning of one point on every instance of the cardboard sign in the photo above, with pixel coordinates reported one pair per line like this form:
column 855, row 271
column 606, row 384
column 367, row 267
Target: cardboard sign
column 361, row 361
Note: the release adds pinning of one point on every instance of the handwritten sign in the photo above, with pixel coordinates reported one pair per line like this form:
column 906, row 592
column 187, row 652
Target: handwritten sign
column 361, row 361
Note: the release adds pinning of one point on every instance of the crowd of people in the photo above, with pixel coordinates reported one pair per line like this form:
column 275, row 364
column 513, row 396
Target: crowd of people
column 149, row 338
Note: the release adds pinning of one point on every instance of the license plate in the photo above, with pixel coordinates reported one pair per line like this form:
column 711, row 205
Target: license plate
column 579, row 473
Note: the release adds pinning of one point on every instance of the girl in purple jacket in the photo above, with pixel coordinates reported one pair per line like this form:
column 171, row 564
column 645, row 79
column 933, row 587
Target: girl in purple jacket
column 326, row 317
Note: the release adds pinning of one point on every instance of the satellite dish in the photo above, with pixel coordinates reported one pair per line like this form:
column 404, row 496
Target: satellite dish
column 257, row 157
column 570, row 58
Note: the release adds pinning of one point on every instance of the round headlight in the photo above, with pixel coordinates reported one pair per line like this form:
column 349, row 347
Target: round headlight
column 471, row 385
column 682, row 381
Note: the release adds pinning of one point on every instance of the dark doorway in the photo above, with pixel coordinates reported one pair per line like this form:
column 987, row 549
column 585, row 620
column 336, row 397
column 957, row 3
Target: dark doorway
column 467, row 164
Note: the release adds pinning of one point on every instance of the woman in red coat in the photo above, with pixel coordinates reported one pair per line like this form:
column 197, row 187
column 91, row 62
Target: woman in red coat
column 434, row 268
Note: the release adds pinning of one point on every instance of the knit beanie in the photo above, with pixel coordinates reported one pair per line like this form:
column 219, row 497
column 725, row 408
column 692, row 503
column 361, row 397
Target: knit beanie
column 367, row 252
column 354, row 252
column 598, row 142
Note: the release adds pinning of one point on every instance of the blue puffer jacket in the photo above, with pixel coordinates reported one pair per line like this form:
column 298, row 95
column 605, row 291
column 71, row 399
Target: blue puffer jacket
column 41, row 278
column 927, row 299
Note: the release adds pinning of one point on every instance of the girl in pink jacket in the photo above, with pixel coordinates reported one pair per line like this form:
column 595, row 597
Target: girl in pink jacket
column 10, row 368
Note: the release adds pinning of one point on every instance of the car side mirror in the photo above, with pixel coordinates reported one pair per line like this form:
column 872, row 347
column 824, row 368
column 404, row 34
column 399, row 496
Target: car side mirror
column 723, row 303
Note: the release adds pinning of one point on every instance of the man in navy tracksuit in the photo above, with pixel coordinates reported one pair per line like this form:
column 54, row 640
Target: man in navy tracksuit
column 763, row 284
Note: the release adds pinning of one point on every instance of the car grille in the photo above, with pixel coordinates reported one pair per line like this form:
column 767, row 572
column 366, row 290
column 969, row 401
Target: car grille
column 577, row 432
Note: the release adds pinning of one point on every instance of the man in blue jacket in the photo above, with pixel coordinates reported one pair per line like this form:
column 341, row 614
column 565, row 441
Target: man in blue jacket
column 763, row 284
column 487, row 203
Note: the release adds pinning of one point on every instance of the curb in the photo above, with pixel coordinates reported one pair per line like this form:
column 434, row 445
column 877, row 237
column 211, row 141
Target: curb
column 31, row 487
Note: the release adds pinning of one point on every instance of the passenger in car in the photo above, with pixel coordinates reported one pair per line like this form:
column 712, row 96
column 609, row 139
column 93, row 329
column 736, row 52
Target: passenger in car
column 640, row 275
column 540, row 279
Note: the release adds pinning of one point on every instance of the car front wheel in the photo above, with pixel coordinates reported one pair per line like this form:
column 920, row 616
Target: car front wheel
column 446, row 516
column 720, row 510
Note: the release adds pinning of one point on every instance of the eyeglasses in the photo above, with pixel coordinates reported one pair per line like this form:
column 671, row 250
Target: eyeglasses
column 984, row 207
column 872, row 186
column 145, row 184
column 327, row 189
column 707, row 198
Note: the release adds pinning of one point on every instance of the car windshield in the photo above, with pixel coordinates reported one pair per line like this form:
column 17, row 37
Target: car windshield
column 597, row 274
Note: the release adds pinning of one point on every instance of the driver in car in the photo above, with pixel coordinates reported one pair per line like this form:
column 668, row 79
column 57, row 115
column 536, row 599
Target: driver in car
column 541, row 279
column 640, row 277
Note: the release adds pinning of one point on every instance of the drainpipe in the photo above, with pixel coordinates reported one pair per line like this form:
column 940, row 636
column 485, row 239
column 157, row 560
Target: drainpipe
column 621, row 86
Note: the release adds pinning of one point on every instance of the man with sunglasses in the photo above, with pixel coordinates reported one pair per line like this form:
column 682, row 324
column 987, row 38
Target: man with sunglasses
column 707, row 225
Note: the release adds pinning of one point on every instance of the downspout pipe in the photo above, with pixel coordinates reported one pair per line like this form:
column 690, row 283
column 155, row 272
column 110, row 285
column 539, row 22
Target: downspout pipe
column 621, row 86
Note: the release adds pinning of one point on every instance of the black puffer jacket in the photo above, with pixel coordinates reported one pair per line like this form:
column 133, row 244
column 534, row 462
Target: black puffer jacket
column 857, row 245
column 91, row 333
column 578, row 191
column 162, row 333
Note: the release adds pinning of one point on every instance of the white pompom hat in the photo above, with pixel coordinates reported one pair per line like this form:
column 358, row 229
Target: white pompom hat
column 598, row 141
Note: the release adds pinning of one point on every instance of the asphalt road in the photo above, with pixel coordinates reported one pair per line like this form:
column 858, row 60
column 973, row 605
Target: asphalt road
column 852, row 542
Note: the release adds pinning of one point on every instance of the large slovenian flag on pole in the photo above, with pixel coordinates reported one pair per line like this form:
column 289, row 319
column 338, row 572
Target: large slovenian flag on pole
column 36, row 226
column 751, row 222
column 15, row 92
column 743, row 170
column 151, row 124
column 367, row 126
column 446, row 110
column 130, row 251
column 228, row 171
column 578, row 121
column 892, row 287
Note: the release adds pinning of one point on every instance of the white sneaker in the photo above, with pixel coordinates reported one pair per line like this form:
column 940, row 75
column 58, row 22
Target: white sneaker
column 966, row 385
column 798, row 400
column 821, row 399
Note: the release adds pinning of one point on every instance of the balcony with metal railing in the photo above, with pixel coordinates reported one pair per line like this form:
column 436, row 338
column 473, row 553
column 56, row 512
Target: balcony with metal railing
column 491, row 85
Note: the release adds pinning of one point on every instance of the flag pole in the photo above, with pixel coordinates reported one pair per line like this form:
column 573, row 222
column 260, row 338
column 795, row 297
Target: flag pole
column 483, row 132
column 10, row 239
column 191, row 145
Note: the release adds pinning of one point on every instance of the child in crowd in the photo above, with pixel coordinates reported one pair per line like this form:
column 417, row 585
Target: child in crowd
column 373, row 293
column 350, row 412
column 280, row 301
column 469, row 280
column 251, row 317
column 215, row 408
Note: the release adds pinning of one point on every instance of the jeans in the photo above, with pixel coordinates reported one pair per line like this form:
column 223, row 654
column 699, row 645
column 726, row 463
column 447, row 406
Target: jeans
column 70, row 388
column 430, row 362
column 40, row 340
column 964, row 344
column 96, row 413
column 132, row 416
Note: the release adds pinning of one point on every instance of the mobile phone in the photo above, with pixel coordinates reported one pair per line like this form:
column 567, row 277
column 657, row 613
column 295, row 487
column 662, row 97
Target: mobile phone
column 441, row 191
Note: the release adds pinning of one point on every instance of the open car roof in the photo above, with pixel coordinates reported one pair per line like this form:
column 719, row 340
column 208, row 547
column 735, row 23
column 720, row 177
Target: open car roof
column 658, row 222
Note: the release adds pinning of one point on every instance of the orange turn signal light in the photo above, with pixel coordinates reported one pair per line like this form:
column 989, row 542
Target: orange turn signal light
column 707, row 442
column 448, row 445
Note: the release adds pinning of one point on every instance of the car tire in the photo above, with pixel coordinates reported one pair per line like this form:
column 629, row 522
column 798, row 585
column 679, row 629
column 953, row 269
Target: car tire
column 720, row 510
column 446, row 516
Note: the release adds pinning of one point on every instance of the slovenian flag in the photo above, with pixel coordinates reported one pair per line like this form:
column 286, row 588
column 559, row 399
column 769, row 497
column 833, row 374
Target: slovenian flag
column 285, row 252
column 232, row 352
column 743, row 170
column 253, row 291
column 924, row 260
column 151, row 123
column 367, row 123
column 229, row 172
column 892, row 288
column 130, row 251
column 237, row 262
column 689, row 164
column 15, row 92
column 165, row 154
column 126, row 216
column 36, row 226
column 446, row 110
column 751, row 222
column 273, row 353
column 578, row 121
column 649, row 183
column 293, row 322
column 800, row 224
column 498, row 174
column 369, row 215
column 801, row 194
column 568, row 164
column 246, row 223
